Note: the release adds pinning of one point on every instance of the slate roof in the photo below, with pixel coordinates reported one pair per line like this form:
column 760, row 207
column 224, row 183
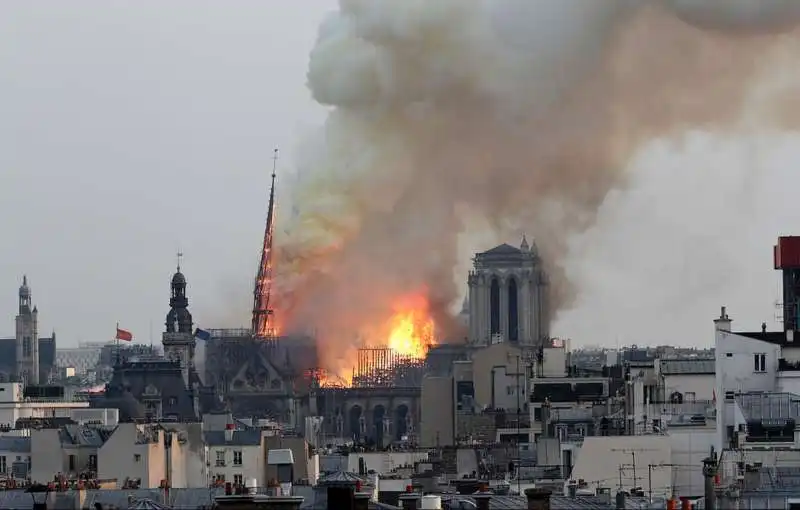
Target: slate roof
column 137, row 378
column 503, row 249
column 179, row 498
column 556, row 503
column 691, row 366
column 82, row 435
column 773, row 337
column 147, row 504
column 15, row 444
column 250, row 437
column 341, row 478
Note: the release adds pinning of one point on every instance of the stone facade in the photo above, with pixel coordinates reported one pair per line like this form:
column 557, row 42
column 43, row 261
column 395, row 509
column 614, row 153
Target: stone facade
column 507, row 298
column 27, row 326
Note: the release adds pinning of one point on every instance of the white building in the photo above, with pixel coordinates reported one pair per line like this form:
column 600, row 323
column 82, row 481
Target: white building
column 236, row 455
column 686, row 379
column 750, row 362
column 15, row 456
column 14, row 405
column 135, row 455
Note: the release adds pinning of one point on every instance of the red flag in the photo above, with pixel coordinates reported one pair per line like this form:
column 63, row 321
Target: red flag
column 123, row 335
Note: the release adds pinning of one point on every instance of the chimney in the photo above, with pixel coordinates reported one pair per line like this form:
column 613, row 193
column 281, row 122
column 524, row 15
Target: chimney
column 620, row 502
column 723, row 323
column 361, row 501
column 538, row 499
column 409, row 501
column 340, row 498
column 229, row 428
column 482, row 500
column 431, row 502
column 255, row 501
column 709, row 474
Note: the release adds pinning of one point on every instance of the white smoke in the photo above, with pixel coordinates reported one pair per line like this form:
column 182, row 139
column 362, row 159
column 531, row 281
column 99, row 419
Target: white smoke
column 519, row 114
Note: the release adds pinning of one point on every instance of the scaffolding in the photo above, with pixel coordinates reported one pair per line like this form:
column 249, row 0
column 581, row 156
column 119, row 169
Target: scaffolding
column 385, row 368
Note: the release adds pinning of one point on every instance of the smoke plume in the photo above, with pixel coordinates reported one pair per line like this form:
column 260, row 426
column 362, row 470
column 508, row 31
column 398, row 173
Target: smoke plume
column 515, row 114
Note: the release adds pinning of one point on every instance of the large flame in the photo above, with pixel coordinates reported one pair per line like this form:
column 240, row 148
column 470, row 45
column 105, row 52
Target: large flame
column 411, row 328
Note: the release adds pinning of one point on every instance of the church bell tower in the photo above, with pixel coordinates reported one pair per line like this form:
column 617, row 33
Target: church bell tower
column 507, row 301
column 27, row 350
column 178, row 339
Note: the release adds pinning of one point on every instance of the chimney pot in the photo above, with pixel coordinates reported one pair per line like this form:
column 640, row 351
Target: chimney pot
column 482, row 500
column 409, row 501
column 538, row 499
column 361, row 501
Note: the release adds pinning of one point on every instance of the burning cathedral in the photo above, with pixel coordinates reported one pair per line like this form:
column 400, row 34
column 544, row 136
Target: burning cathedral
column 507, row 301
column 256, row 372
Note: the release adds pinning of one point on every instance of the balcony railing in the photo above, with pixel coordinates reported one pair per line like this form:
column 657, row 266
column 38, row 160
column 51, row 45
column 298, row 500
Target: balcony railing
column 788, row 366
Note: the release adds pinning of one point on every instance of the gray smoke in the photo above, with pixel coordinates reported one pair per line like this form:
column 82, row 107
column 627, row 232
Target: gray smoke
column 515, row 114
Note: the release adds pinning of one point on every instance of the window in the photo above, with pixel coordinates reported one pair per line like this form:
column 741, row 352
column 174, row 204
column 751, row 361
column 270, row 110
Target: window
column 220, row 457
column 220, row 478
column 2, row 464
column 137, row 457
column 27, row 347
column 728, row 354
column 759, row 362
column 72, row 463
column 93, row 462
column 173, row 401
column 689, row 396
column 237, row 458
column 237, row 479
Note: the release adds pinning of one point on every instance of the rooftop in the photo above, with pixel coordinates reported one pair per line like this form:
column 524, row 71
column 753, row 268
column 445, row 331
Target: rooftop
column 687, row 366
column 769, row 406
column 15, row 444
column 556, row 502
column 240, row 437
column 83, row 435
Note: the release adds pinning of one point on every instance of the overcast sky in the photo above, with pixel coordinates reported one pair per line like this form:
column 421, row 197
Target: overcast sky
column 132, row 130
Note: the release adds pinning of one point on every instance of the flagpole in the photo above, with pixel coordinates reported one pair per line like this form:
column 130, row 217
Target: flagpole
column 116, row 340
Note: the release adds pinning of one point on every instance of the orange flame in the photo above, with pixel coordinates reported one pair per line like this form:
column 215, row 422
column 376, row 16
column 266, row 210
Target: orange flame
column 411, row 329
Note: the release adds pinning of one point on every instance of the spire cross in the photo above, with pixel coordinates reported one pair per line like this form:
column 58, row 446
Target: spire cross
column 180, row 256
column 274, row 162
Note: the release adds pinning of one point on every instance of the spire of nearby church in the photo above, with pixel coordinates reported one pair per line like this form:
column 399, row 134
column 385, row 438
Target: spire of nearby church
column 524, row 246
column 24, row 296
column 179, row 320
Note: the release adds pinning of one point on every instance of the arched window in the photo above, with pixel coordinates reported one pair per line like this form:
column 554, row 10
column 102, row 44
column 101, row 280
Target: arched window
column 513, row 311
column 676, row 398
column 494, row 306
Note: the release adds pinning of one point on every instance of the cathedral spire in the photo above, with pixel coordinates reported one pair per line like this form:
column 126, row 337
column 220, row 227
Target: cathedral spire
column 524, row 246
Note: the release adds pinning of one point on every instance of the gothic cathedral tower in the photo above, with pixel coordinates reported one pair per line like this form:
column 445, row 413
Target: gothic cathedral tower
column 508, row 297
column 178, row 339
column 27, row 337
